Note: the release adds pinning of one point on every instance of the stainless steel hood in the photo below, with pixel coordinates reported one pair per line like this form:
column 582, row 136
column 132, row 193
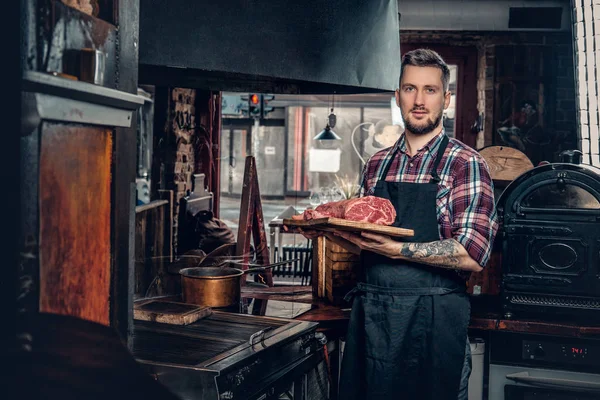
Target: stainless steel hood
column 308, row 46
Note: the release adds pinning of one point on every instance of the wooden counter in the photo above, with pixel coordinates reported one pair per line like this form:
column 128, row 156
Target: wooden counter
column 334, row 319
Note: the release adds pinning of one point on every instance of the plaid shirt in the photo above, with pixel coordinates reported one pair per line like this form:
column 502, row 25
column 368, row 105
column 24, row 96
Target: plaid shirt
column 465, row 199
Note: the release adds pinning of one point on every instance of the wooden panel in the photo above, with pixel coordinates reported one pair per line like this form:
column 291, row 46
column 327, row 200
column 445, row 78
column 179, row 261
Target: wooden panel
column 152, row 251
column 124, row 169
column 335, row 252
column 207, row 148
column 487, row 282
column 169, row 196
column 318, row 262
column 340, row 276
column 75, row 211
column 542, row 325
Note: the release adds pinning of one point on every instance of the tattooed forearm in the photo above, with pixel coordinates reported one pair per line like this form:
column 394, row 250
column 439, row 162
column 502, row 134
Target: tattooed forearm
column 444, row 254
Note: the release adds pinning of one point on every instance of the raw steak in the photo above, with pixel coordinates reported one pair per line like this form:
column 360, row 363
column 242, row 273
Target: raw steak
column 375, row 210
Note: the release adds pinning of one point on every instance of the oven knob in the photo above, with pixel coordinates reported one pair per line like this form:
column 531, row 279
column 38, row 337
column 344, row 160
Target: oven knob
column 539, row 352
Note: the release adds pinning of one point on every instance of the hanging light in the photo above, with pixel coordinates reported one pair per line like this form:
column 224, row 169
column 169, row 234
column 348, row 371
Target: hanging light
column 327, row 135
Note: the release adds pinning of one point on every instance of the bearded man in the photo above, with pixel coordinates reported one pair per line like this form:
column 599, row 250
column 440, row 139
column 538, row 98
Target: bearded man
column 407, row 336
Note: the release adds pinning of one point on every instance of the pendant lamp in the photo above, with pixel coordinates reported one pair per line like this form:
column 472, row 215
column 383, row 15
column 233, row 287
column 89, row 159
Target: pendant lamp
column 327, row 136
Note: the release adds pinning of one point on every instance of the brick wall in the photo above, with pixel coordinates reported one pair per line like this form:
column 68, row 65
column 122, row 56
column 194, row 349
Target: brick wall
column 186, row 132
column 586, row 36
column 559, row 43
column 174, row 145
column 183, row 126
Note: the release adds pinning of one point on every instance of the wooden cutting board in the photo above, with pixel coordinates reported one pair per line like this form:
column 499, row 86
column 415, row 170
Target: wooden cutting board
column 338, row 224
column 169, row 312
column 505, row 163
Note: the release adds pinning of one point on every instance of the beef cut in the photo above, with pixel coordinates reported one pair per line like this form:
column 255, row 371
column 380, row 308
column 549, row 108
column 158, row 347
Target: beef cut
column 375, row 210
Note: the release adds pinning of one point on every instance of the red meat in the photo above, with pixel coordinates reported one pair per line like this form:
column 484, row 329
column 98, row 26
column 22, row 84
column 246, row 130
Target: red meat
column 375, row 210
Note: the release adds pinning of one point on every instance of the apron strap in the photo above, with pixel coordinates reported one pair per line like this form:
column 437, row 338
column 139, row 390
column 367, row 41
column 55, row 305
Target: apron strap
column 362, row 288
column 435, row 178
column 389, row 164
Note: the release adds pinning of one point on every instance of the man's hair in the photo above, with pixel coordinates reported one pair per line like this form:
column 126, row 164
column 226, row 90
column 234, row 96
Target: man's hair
column 427, row 58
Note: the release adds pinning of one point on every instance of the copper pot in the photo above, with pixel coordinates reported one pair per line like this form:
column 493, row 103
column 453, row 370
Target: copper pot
column 211, row 286
column 217, row 286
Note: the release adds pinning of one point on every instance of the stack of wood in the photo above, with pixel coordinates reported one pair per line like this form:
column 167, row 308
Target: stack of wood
column 341, row 268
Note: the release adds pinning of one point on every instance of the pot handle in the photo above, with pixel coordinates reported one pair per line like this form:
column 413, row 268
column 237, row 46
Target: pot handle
column 266, row 267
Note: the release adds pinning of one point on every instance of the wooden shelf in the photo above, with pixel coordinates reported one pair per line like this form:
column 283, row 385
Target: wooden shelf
column 39, row 82
column 51, row 97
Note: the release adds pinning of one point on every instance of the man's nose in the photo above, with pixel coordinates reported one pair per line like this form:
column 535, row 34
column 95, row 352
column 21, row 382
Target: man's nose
column 419, row 98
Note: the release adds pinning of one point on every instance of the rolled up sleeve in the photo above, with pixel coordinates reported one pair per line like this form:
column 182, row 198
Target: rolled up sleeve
column 472, row 209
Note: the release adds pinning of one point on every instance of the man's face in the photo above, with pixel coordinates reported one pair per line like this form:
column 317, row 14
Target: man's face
column 421, row 99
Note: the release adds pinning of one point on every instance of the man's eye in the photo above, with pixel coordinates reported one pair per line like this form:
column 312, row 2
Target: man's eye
column 408, row 89
column 430, row 90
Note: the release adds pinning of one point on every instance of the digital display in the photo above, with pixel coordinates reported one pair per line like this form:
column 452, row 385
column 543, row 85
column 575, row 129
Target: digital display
column 560, row 353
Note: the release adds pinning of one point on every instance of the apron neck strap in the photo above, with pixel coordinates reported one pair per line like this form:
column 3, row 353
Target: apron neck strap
column 435, row 178
column 389, row 164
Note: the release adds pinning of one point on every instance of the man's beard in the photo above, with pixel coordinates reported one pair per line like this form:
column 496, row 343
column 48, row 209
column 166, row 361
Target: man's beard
column 423, row 129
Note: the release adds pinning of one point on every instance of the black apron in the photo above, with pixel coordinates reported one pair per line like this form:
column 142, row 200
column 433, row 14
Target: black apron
column 408, row 327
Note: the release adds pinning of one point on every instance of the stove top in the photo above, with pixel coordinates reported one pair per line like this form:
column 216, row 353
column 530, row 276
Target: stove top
column 199, row 342
column 225, row 355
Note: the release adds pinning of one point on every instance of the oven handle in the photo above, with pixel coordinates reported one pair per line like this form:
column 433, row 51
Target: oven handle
column 524, row 377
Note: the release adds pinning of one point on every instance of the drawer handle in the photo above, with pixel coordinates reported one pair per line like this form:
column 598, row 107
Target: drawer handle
column 524, row 377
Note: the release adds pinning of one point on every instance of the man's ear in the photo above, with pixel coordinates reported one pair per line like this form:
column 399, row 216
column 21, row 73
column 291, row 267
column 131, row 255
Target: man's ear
column 447, row 97
column 397, row 93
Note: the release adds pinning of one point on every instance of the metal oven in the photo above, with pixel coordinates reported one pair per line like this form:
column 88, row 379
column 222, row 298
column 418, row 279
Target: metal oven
column 230, row 356
column 535, row 367
column 551, row 247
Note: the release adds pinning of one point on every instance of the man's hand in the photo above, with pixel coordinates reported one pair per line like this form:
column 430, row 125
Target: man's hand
column 307, row 233
column 310, row 233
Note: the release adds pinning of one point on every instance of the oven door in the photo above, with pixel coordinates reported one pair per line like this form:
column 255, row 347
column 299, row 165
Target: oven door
column 522, row 383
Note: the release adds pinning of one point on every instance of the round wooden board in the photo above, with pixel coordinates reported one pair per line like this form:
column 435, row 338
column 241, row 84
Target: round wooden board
column 505, row 163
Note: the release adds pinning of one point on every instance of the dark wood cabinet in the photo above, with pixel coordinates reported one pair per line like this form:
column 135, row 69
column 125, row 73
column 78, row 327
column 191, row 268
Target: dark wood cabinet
column 78, row 146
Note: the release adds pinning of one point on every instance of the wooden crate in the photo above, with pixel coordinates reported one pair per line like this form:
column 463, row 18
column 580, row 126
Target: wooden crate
column 341, row 269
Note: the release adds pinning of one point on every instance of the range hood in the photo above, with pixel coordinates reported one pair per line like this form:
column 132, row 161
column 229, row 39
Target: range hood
column 306, row 47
